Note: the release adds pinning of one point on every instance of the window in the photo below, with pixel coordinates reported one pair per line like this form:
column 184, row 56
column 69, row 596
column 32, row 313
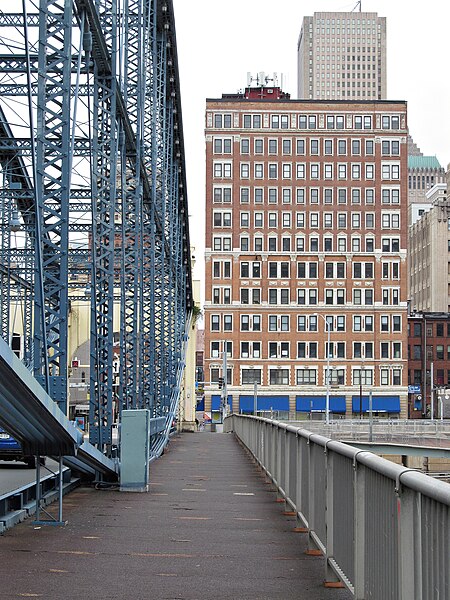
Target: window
column 342, row 171
column 245, row 170
column 258, row 217
column 300, row 146
column 259, row 146
column 287, row 146
column 314, row 147
column 315, row 171
column 222, row 243
column 273, row 171
column 356, row 147
column 390, row 171
column 362, row 377
column 245, row 195
column 245, row 219
column 287, row 170
column 222, row 121
column 301, row 171
column 252, row 121
column 328, row 147
column 342, row 147
column 273, row 219
column 250, row 376
column 328, row 171
column 314, row 220
column 279, row 376
column 215, row 322
column 306, row 377
column 222, row 145
column 259, row 171
column 314, row 195
column 258, row 244
column 221, row 194
column 370, row 148
column 273, row 146
column 342, row 196
column 222, row 170
column 273, row 195
column 245, row 146
column 258, row 195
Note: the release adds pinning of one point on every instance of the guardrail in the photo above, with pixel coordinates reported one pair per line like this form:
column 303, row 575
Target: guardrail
column 383, row 529
column 393, row 430
column 19, row 504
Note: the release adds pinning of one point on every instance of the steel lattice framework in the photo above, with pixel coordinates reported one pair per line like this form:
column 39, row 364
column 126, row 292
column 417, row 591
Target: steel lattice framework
column 93, row 189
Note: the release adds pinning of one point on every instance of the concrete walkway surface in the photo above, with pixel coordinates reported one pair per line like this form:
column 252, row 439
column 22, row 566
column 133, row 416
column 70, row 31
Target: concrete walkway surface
column 209, row 528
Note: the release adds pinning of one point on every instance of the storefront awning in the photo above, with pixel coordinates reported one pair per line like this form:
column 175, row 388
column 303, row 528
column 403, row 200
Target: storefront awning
column 318, row 404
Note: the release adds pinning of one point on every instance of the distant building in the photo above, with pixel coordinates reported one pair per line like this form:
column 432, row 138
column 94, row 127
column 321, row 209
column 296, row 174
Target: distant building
column 428, row 362
column 423, row 173
column 428, row 257
column 306, row 233
column 342, row 56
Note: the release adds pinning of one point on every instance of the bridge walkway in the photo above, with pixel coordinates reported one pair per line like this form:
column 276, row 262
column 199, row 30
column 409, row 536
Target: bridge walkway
column 209, row 528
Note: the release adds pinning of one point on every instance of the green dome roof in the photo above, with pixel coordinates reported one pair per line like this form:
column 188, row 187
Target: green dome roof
column 423, row 162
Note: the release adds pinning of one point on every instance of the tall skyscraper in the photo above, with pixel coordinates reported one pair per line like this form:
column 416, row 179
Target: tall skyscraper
column 306, row 235
column 342, row 56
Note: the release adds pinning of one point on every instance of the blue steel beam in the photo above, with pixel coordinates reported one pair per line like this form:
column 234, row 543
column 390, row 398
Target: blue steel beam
column 53, row 170
column 123, row 57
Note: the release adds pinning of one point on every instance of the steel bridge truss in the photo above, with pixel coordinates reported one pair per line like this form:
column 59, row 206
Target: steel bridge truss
column 93, row 198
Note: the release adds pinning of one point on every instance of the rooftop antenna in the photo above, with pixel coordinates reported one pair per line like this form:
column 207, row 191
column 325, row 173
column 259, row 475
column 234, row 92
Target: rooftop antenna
column 356, row 6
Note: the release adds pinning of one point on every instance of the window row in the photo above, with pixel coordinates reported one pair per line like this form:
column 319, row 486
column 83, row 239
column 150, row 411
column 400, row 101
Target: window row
column 311, row 171
column 302, row 195
column 312, row 244
column 310, row 146
column 280, row 375
column 326, row 220
column 308, row 270
column 306, row 323
column 308, row 350
column 310, row 296
column 304, row 121
column 438, row 352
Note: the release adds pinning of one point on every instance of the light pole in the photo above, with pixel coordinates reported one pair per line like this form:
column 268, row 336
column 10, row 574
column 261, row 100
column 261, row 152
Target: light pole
column 255, row 390
column 360, row 391
column 328, row 374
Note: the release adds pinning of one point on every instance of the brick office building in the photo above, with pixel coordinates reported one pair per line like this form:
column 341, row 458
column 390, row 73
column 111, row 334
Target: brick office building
column 429, row 361
column 306, row 229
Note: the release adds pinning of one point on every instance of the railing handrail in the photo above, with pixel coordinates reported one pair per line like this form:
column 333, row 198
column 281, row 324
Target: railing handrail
column 344, row 498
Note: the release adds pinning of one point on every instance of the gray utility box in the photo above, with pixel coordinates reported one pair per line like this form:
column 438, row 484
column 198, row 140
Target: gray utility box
column 134, row 450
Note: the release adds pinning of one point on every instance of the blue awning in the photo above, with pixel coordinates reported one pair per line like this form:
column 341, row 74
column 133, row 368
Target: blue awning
column 216, row 401
column 318, row 403
column 387, row 404
column 246, row 403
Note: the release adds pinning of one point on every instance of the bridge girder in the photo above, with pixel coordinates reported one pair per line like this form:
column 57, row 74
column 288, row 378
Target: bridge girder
column 99, row 186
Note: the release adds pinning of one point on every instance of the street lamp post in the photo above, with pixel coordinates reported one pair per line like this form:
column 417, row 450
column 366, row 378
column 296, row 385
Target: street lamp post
column 328, row 374
column 360, row 391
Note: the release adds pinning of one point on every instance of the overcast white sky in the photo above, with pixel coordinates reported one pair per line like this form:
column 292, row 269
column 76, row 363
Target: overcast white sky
column 219, row 42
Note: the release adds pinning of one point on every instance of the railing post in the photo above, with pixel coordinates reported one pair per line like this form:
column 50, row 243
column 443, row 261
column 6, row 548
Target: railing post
column 313, row 549
column 409, row 544
column 331, row 579
column 359, row 488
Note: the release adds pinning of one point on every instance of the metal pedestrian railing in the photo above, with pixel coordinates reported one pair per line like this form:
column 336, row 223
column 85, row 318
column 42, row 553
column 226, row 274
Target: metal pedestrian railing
column 383, row 529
